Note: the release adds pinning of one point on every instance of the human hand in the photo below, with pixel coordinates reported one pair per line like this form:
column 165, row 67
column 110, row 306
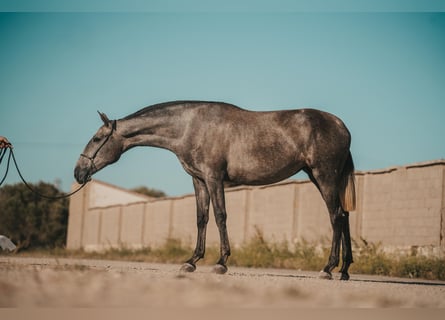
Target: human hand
column 4, row 143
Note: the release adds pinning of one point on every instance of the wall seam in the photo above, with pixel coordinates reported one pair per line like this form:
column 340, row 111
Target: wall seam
column 442, row 214
column 144, row 207
column 247, row 215
column 119, row 225
column 99, row 232
column 295, row 214
column 360, row 206
column 170, row 219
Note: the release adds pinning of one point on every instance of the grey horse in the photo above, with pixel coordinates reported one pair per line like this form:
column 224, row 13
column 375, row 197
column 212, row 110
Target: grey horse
column 220, row 145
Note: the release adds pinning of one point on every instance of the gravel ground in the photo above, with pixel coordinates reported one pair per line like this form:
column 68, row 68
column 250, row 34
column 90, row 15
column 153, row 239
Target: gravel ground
column 42, row 282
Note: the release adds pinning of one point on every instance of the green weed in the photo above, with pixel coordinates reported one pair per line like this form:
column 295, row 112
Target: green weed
column 371, row 259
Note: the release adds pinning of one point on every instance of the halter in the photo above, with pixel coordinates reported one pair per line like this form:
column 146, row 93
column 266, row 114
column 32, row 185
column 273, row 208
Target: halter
column 113, row 127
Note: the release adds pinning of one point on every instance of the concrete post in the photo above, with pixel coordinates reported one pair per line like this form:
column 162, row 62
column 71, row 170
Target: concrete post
column 76, row 219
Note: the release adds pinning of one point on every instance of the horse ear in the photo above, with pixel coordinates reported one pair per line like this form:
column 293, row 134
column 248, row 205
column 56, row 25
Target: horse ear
column 104, row 118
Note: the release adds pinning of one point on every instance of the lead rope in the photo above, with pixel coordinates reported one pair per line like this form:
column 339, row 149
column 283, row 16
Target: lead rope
column 2, row 154
column 11, row 154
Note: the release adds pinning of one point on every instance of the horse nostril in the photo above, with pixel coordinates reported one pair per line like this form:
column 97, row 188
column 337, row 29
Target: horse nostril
column 81, row 175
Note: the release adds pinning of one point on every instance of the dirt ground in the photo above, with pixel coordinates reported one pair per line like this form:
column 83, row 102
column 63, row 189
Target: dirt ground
column 43, row 282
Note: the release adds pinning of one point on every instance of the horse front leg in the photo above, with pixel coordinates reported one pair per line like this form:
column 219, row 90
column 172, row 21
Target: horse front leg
column 216, row 190
column 202, row 217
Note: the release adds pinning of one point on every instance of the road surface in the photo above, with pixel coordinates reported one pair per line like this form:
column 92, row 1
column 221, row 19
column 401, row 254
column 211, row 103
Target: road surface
column 49, row 282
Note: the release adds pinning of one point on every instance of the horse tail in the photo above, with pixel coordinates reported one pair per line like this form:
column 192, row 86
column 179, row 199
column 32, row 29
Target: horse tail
column 347, row 186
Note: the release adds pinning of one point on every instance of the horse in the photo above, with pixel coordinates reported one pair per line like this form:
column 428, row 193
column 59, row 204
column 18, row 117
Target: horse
column 221, row 145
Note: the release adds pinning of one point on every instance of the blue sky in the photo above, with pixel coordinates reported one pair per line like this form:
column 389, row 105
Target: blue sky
column 383, row 73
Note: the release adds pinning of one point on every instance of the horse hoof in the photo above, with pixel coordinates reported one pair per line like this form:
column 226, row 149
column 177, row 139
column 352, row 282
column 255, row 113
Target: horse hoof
column 219, row 269
column 344, row 276
column 187, row 267
column 325, row 275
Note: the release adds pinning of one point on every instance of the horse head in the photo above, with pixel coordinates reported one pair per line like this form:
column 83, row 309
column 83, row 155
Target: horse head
column 104, row 148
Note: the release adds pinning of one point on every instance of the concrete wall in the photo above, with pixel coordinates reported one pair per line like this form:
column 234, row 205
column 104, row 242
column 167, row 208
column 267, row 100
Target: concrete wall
column 405, row 206
column 399, row 207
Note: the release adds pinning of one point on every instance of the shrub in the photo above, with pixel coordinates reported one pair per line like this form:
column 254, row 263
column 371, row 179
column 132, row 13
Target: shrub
column 420, row 267
column 31, row 221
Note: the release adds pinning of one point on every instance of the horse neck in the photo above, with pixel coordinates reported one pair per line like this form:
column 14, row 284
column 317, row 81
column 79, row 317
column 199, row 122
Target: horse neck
column 159, row 131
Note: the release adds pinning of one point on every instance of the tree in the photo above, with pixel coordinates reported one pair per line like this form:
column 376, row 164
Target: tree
column 149, row 192
column 31, row 221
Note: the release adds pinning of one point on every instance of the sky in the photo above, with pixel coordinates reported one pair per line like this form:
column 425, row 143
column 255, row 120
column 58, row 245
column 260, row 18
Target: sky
column 381, row 72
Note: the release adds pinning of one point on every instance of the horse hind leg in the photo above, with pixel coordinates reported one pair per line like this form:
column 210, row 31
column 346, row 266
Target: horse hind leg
column 348, row 203
column 326, row 183
column 341, row 237
column 334, row 256
column 346, row 248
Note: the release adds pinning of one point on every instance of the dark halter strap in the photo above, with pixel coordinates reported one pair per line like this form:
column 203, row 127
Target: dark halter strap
column 91, row 158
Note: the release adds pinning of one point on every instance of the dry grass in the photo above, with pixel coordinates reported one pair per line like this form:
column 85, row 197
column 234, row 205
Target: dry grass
column 258, row 253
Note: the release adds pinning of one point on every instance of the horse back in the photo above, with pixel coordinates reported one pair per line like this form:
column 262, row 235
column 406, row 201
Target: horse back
column 262, row 147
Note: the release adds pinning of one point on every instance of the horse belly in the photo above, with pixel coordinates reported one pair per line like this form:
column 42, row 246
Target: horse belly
column 261, row 171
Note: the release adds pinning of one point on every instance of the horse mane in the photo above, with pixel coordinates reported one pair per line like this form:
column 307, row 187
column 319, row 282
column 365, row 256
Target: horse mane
column 159, row 107
column 154, row 108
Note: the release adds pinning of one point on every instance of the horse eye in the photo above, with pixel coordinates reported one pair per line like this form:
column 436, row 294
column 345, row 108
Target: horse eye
column 96, row 139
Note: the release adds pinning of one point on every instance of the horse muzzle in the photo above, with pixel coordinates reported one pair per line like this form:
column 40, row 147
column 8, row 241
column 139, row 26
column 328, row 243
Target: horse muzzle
column 82, row 175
